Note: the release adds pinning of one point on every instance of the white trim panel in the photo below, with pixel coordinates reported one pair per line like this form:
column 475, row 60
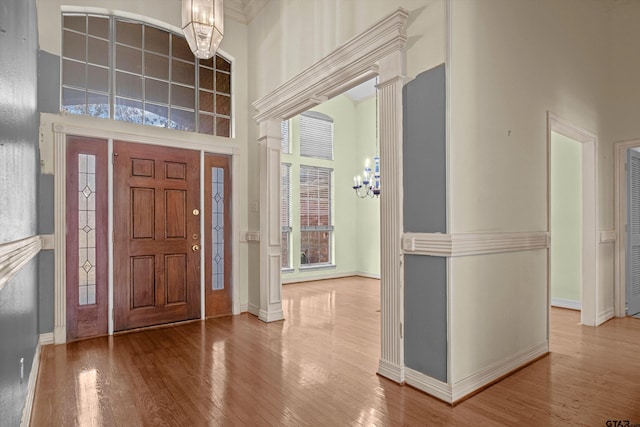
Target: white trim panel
column 14, row 255
column 467, row 244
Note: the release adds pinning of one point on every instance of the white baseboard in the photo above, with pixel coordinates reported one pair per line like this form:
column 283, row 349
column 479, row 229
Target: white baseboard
column 497, row 370
column 571, row 304
column 31, row 386
column 253, row 309
column 269, row 317
column 46, row 339
column 391, row 371
column 326, row 276
column 244, row 307
column 368, row 275
column 603, row 316
column 429, row 385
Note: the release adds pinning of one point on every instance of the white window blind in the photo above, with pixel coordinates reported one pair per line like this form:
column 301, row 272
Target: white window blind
column 285, row 137
column 316, row 135
column 316, row 225
column 285, row 213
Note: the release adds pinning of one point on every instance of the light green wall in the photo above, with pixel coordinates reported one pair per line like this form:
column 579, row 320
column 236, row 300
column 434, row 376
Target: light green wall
column 566, row 218
column 368, row 210
column 354, row 250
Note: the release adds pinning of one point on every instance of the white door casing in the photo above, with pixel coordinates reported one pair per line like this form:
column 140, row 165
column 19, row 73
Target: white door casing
column 589, row 290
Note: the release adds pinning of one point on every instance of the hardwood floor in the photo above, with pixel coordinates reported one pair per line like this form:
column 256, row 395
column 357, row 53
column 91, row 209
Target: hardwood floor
column 318, row 368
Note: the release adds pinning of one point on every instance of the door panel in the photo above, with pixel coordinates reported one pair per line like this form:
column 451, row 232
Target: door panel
column 86, row 245
column 633, row 233
column 217, row 235
column 156, row 227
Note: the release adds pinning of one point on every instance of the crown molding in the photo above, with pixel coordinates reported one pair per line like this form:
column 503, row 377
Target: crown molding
column 321, row 81
column 243, row 11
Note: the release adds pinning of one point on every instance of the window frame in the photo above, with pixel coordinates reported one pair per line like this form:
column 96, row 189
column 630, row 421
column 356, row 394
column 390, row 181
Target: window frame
column 329, row 228
column 286, row 227
column 222, row 124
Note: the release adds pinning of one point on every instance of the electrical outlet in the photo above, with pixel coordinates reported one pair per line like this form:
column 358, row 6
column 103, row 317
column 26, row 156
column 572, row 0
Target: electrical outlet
column 21, row 369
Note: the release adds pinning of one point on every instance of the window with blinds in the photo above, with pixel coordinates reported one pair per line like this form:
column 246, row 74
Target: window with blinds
column 316, row 226
column 285, row 213
column 284, row 127
column 134, row 72
column 316, row 135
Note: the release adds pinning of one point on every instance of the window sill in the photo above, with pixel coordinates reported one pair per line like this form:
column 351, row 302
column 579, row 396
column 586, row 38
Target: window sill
column 317, row 267
column 288, row 270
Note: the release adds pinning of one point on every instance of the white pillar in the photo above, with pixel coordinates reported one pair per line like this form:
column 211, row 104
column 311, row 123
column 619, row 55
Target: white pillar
column 270, row 228
column 60, row 232
column 391, row 81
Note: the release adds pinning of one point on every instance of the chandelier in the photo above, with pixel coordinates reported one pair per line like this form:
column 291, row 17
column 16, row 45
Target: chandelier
column 203, row 26
column 368, row 185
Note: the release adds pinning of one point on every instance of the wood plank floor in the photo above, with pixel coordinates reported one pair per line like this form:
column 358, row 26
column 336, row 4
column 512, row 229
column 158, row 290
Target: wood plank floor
column 318, row 368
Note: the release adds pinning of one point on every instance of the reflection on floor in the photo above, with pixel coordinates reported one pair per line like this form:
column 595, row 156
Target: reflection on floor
column 318, row 368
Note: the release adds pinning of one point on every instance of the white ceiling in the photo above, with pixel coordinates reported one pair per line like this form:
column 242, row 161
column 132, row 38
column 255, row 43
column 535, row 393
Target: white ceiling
column 362, row 91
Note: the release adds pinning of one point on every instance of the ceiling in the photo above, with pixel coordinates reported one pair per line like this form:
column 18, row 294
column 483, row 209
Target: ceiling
column 362, row 91
column 243, row 11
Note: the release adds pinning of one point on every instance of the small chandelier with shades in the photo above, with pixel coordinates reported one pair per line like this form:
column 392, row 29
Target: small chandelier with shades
column 203, row 26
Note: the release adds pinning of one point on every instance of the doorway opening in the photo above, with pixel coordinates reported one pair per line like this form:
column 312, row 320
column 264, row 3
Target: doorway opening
column 566, row 222
column 327, row 230
column 589, row 301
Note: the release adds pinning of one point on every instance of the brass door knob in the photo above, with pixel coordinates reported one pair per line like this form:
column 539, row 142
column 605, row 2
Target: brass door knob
column 195, row 248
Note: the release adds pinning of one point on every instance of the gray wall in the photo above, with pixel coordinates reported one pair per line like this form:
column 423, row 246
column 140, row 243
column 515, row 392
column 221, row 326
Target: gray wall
column 424, row 153
column 425, row 308
column 425, row 208
column 18, row 195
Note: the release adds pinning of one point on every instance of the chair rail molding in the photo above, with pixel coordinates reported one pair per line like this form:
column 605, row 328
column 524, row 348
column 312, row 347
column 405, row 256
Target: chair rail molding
column 14, row 255
column 468, row 244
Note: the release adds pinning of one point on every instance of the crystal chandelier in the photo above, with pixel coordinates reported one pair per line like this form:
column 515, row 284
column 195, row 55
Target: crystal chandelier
column 203, row 26
column 368, row 185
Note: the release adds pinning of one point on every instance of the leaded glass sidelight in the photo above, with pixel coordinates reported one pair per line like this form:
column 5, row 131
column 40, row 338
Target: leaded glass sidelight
column 217, row 228
column 87, row 229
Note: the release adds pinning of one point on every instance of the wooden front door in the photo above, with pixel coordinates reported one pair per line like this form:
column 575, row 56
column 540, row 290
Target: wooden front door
column 157, row 235
column 86, row 245
column 217, row 193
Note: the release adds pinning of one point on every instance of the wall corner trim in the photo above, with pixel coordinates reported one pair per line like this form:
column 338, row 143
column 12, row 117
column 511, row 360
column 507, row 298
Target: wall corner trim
column 467, row 244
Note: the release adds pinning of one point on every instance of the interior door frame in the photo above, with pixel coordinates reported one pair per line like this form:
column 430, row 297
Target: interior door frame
column 620, row 218
column 589, row 288
column 214, row 145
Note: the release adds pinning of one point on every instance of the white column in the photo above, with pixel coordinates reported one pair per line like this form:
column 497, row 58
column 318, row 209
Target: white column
column 60, row 232
column 391, row 80
column 270, row 229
